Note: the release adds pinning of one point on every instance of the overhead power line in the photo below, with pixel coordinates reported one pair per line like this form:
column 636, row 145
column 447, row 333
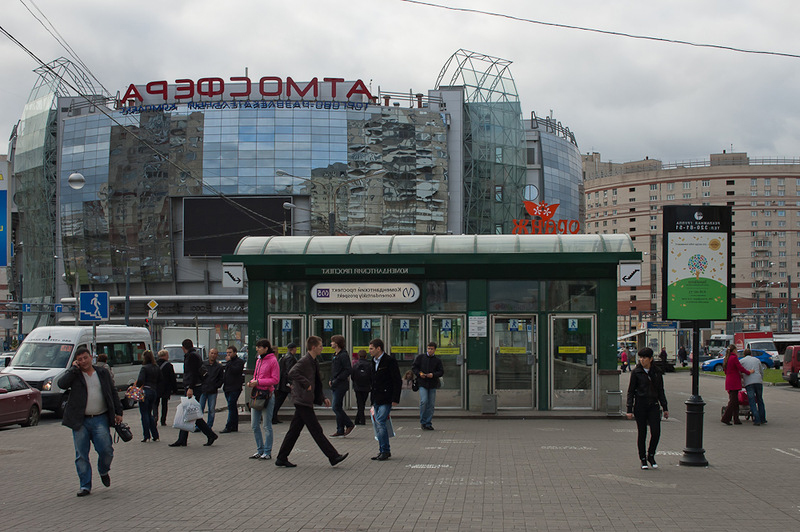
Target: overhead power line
column 605, row 32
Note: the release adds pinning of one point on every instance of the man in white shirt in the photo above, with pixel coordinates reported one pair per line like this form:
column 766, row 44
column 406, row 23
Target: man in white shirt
column 754, row 384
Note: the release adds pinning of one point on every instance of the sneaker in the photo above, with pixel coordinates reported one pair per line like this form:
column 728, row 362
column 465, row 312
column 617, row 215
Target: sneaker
column 652, row 460
column 256, row 455
column 644, row 464
column 266, row 457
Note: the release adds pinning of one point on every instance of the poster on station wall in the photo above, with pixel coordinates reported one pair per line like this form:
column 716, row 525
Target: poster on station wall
column 696, row 260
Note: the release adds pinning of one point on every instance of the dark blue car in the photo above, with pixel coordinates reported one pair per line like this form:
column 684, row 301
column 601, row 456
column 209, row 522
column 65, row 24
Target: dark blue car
column 715, row 364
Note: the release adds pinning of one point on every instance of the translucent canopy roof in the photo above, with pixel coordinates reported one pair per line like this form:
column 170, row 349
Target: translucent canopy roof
column 432, row 244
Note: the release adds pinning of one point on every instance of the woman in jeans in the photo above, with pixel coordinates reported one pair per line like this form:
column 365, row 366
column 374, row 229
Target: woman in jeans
column 733, row 385
column 149, row 378
column 265, row 377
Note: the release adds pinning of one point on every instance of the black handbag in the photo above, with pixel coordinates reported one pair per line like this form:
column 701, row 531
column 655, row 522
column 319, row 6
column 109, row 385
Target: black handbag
column 259, row 398
column 123, row 432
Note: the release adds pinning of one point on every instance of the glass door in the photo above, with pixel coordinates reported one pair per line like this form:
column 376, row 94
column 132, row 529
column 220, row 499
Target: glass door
column 326, row 327
column 514, row 361
column 362, row 330
column 448, row 333
column 572, row 349
column 284, row 330
column 405, row 343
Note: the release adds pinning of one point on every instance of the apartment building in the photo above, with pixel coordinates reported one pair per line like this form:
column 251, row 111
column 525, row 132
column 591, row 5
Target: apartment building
column 765, row 196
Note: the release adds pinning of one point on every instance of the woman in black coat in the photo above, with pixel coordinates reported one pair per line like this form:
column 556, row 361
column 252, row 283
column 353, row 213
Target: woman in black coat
column 645, row 399
column 150, row 379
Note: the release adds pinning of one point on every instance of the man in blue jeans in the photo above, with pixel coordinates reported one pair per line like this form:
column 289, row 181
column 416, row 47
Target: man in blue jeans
column 92, row 407
column 428, row 369
column 212, row 372
column 386, row 386
column 232, row 387
column 754, row 384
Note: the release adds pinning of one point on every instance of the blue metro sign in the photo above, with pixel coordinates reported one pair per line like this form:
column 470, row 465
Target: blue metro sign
column 94, row 306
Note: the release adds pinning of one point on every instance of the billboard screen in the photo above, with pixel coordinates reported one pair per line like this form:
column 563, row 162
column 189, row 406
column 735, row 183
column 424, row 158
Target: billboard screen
column 212, row 226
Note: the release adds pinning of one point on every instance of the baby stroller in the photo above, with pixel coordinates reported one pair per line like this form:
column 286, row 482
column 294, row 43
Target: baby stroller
column 744, row 406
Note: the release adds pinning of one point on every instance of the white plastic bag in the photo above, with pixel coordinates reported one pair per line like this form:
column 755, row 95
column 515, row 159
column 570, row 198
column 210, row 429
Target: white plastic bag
column 389, row 427
column 191, row 409
column 186, row 414
column 178, row 422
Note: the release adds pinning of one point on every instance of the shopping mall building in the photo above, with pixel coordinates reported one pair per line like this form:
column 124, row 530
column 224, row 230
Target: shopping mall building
column 177, row 172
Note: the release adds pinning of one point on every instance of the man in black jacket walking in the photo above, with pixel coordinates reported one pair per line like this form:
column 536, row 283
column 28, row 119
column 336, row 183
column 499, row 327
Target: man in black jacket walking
column 92, row 407
column 645, row 398
column 192, row 383
column 232, row 388
column 386, row 386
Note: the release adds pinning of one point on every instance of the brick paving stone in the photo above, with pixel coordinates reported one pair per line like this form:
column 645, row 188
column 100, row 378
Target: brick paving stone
column 472, row 473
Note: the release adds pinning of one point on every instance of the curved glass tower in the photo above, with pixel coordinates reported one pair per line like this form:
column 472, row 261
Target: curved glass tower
column 494, row 141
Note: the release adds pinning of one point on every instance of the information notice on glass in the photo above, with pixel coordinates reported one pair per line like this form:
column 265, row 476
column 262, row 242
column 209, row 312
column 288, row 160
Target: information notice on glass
column 478, row 326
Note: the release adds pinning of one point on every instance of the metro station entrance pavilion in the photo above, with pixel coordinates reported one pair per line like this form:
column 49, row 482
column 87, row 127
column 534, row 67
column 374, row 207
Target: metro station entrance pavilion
column 528, row 321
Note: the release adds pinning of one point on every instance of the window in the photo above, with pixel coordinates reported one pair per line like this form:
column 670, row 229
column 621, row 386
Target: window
column 614, row 192
column 730, row 193
column 653, row 186
column 687, row 185
column 754, row 224
column 687, row 196
column 767, row 181
column 706, row 182
column 754, row 214
column 671, row 186
column 670, row 196
column 781, row 181
column 498, row 193
column 653, row 198
column 706, row 194
column 632, row 189
column 754, row 182
column 729, row 182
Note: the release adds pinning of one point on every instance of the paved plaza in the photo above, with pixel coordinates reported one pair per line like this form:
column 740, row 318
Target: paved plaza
column 471, row 473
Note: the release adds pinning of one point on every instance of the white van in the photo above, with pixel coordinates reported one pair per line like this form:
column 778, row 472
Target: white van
column 48, row 351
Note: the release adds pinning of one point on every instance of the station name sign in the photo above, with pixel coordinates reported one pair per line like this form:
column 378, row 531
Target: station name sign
column 360, row 270
column 365, row 292
column 242, row 87
column 541, row 221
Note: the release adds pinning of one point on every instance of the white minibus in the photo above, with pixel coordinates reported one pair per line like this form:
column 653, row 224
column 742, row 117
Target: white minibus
column 48, row 351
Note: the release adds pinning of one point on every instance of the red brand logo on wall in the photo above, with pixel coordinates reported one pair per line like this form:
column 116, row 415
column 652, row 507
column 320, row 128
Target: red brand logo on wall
column 542, row 223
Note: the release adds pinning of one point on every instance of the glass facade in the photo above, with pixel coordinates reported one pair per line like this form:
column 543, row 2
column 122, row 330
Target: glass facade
column 493, row 139
column 378, row 170
column 34, row 162
column 563, row 175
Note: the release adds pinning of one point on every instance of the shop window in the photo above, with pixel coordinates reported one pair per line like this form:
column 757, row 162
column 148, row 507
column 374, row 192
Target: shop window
column 446, row 296
column 522, row 296
column 287, row 296
column 571, row 296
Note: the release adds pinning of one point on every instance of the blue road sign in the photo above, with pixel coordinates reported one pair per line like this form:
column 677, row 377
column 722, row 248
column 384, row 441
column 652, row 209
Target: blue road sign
column 59, row 308
column 26, row 307
column 94, row 306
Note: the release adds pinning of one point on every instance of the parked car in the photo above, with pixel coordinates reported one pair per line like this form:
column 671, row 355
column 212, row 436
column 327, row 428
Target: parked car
column 19, row 403
column 715, row 364
column 791, row 365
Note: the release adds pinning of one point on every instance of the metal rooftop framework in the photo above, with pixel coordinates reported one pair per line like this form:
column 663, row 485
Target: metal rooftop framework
column 494, row 140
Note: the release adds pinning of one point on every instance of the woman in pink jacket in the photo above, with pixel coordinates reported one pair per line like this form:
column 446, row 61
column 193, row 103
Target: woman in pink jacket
column 733, row 384
column 265, row 378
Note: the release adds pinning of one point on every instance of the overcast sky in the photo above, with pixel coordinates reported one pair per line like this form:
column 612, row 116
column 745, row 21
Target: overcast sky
column 624, row 98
